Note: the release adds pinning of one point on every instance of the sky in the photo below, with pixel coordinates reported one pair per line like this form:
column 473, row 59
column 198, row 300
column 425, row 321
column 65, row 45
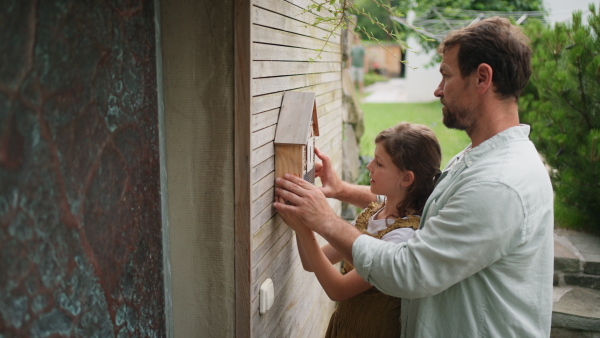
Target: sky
column 560, row 10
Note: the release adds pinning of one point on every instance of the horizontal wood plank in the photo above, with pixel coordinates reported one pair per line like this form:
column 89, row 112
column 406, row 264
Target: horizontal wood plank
column 265, row 52
column 297, row 301
column 329, row 97
column 277, row 84
column 262, row 169
column 264, row 200
column 262, row 153
column 293, row 11
column 262, row 136
column 301, row 325
column 283, row 43
column 272, row 101
column 263, row 185
column 265, row 119
column 261, row 217
column 266, row 261
column 284, row 68
column 285, row 23
column 272, row 36
column 289, row 275
column 273, row 228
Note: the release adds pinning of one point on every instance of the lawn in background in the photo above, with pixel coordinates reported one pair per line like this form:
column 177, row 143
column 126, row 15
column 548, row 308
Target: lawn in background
column 379, row 116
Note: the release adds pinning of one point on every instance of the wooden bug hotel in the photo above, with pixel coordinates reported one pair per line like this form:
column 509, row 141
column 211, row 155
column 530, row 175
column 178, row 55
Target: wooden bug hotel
column 295, row 135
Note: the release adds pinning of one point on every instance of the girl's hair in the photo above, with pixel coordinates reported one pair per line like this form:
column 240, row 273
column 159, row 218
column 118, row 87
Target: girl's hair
column 413, row 147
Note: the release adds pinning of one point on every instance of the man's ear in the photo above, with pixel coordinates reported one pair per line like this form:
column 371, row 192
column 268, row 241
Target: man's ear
column 484, row 77
column 408, row 179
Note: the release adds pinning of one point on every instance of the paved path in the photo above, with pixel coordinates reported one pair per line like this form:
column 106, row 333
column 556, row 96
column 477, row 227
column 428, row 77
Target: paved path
column 398, row 90
column 576, row 309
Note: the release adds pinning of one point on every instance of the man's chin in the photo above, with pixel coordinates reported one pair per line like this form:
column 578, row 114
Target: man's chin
column 450, row 122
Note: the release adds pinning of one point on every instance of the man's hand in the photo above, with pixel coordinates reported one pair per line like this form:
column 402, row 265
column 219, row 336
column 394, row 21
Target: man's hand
column 295, row 223
column 332, row 184
column 308, row 203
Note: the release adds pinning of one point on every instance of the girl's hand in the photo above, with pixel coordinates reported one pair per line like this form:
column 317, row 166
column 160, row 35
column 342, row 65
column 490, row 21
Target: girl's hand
column 332, row 184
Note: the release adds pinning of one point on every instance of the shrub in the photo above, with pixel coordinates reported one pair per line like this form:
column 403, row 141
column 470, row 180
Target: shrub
column 562, row 105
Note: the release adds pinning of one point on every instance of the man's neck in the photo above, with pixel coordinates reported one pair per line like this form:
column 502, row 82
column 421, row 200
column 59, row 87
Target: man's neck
column 492, row 121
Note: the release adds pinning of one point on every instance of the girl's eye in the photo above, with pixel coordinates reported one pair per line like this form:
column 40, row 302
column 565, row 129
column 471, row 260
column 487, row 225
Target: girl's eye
column 379, row 164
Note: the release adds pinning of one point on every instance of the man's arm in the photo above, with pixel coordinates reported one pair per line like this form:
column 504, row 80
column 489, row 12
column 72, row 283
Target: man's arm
column 469, row 233
column 309, row 205
column 334, row 187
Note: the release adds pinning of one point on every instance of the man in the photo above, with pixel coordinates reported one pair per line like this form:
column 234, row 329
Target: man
column 482, row 262
column 358, row 60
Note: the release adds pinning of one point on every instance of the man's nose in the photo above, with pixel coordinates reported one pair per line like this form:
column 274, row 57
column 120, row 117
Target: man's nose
column 438, row 92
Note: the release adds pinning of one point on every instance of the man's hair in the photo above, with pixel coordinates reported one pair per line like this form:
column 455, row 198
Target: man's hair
column 413, row 147
column 498, row 43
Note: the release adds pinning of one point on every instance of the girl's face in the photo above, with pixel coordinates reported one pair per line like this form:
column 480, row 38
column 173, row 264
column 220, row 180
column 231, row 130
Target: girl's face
column 386, row 178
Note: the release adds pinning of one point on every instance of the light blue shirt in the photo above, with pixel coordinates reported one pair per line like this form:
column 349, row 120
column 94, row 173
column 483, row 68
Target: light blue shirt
column 482, row 263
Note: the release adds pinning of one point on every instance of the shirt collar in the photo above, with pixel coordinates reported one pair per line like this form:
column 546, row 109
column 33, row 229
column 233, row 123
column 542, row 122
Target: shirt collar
column 517, row 133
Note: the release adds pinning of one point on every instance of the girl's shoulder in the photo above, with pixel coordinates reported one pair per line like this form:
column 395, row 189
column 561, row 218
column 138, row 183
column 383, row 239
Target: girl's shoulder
column 399, row 235
column 409, row 222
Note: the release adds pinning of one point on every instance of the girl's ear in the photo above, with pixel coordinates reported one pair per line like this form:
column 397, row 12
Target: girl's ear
column 408, row 179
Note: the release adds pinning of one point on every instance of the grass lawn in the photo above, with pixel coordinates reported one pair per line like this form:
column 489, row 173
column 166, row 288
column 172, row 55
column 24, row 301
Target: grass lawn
column 378, row 116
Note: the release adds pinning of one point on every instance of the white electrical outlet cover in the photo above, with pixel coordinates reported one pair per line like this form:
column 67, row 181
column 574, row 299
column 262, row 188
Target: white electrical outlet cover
column 267, row 294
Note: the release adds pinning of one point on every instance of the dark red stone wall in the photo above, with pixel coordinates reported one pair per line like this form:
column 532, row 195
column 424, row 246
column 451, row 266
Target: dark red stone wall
column 80, row 205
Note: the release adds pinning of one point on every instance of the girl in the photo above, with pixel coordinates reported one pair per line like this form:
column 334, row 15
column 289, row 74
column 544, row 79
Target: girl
column 404, row 170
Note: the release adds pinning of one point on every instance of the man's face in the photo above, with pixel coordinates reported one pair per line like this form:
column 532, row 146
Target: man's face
column 455, row 93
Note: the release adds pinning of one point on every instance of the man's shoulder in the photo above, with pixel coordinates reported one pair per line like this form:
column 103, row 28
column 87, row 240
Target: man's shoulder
column 517, row 165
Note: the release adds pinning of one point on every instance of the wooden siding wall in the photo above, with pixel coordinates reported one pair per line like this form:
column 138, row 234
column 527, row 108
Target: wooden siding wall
column 282, row 46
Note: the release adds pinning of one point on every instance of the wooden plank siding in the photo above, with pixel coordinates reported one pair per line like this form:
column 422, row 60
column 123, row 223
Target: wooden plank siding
column 283, row 42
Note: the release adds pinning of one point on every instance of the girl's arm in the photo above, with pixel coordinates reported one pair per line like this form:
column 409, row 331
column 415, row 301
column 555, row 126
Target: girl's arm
column 295, row 224
column 337, row 286
column 332, row 254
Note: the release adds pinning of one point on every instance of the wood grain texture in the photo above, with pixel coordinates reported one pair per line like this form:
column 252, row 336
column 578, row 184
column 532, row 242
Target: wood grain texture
column 293, row 11
column 267, row 52
column 285, row 68
column 288, row 159
column 262, row 169
column 286, row 22
column 297, row 110
column 242, row 160
column 274, row 36
column 283, row 43
column 270, row 101
column 265, row 119
column 270, row 229
column 268, row 85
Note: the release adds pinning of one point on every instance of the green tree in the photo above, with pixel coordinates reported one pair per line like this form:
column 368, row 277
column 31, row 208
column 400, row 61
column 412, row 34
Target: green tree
column 377, row 10
column 482, row 5
column 562, row 104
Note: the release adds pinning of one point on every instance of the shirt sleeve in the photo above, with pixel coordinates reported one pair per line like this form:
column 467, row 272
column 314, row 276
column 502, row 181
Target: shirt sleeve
column 478, row 225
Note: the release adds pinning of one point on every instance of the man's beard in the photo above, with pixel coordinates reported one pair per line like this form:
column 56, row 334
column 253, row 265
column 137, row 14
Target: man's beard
column 460, row 119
